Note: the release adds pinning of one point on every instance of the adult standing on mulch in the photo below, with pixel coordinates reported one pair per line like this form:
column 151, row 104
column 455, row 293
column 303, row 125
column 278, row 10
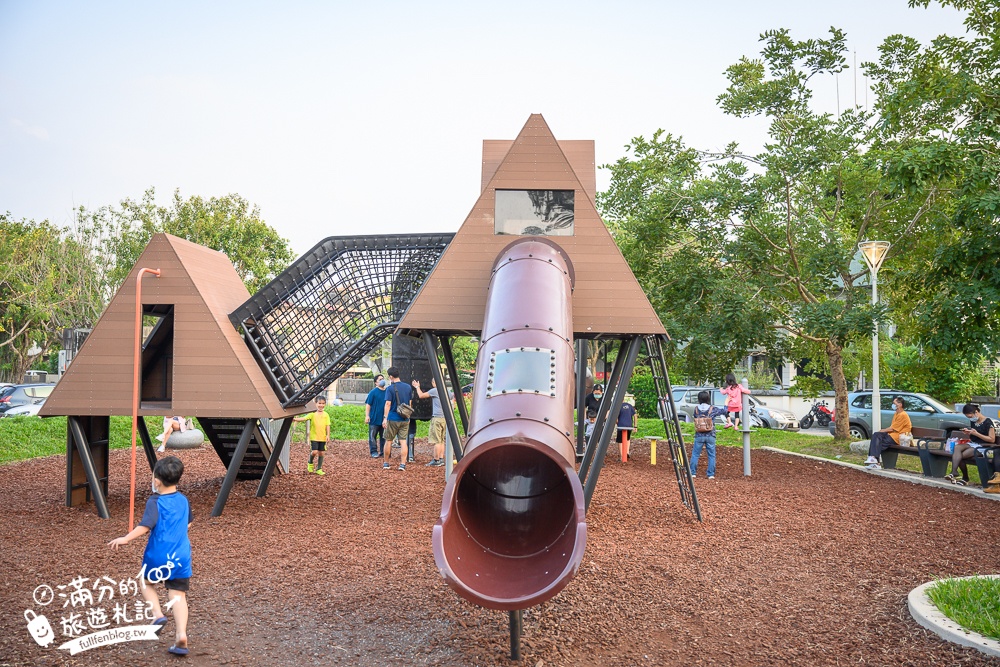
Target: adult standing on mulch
column 374, row 414
column 396, row 425
column 437, row 428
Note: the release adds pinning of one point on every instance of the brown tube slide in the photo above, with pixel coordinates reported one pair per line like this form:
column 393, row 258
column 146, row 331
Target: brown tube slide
column 512, row 529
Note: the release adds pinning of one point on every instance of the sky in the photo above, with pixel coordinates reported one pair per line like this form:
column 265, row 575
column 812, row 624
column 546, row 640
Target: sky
column 342, row 118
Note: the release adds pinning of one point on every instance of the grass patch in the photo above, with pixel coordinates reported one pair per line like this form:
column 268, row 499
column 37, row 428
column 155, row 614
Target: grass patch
column 29, row 437
column 973, row 603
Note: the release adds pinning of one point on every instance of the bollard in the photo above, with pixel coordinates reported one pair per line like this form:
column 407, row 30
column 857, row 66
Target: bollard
column 745, row 422
column 652, row 452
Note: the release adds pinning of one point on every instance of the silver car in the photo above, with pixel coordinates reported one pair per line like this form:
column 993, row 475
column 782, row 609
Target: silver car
column 686, row 399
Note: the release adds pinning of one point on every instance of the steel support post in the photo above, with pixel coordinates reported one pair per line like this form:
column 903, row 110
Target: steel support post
column 602, row 416
column 516, row 626
column 147, row 442
column 82, row 446
column 456, row 383
column 582, row 347
column 234, row 467
column 631, row 350
column 430, row 342
column 272, row 460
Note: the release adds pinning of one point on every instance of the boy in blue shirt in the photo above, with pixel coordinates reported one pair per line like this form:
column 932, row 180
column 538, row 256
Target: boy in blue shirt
column 167, row 557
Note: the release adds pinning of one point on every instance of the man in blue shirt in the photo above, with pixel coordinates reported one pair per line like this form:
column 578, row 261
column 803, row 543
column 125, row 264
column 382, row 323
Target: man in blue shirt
column 396, row 425
column 374, row 414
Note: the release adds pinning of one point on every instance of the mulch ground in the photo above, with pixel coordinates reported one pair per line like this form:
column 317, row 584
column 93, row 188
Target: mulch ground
column 803, row 563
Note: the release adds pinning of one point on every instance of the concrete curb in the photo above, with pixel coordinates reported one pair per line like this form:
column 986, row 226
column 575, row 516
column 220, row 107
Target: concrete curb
column 912, row 478
column 926, row 614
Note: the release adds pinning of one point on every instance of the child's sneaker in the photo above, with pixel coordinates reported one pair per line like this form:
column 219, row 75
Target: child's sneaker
column 385, row 466
column 319, row 471
column 309, row 468
column 402, row 466
column 711, row 476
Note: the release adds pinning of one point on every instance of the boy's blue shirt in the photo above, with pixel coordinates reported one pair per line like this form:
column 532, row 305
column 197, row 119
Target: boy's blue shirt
column 167, row 517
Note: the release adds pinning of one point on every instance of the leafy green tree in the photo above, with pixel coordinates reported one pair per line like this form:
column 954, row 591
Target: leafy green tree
column 46, row 284
column 942, row 104
column 229, row 224
column 759, row 249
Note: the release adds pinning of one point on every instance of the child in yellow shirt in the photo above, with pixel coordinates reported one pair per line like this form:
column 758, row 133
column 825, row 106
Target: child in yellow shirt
column 319, row 435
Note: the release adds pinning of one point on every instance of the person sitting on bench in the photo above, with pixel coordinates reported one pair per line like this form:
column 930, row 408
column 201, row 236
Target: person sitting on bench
column 887, row 437
column 981, row 434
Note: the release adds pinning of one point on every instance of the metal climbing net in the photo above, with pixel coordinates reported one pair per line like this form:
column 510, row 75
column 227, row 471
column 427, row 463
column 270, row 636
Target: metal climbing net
column 332, row 306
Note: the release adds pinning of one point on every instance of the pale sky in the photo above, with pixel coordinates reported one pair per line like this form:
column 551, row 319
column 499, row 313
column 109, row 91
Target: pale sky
column 342, row 118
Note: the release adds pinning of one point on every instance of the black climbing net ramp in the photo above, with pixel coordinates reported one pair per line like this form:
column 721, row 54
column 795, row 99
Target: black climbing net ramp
column 332, row 306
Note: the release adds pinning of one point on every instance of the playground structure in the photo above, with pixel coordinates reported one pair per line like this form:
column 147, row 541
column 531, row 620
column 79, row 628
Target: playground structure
column 512, row 529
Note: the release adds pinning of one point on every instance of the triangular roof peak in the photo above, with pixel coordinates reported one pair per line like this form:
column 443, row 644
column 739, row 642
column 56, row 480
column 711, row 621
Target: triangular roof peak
column 204, row 367
column 607, row 298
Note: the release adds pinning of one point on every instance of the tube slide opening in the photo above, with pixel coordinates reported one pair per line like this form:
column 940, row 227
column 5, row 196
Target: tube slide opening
column 514, row 525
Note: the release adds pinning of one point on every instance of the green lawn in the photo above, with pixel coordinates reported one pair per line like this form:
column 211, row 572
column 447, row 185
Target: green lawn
column 28, row 437
column 973, row 603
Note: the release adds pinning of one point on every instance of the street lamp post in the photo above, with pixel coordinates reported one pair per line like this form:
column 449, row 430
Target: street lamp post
column 874, row 253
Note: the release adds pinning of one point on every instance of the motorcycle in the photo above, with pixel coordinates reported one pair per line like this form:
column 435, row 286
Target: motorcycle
column 819, row 413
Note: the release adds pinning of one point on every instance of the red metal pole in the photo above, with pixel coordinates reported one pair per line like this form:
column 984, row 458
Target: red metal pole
column 135, row 385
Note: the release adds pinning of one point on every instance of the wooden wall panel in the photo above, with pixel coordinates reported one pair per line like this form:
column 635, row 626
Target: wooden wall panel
column 213, row 371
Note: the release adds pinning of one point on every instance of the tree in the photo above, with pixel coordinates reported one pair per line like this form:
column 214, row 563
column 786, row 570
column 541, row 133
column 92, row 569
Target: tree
column 942, row 102
column 229, row 224
column 45, row 285
column 743, row 247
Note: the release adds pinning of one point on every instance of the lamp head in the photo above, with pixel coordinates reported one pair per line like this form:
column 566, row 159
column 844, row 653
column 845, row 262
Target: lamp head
column 874, row 253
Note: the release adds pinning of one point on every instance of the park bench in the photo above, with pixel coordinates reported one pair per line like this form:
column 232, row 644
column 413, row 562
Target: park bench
column 934, row 459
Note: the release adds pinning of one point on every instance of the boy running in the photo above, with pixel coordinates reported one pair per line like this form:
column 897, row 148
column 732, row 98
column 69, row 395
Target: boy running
column 168, row 552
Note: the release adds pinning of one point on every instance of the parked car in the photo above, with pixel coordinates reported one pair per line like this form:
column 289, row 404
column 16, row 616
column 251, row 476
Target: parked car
column 686, row 399
column 30, row 410
column 23, row 394
column 924, row 412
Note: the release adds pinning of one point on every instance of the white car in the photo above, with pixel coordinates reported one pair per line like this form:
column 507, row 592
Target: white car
column 23, row 410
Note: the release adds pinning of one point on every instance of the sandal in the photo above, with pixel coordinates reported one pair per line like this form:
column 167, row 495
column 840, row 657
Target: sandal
column 962, row 482
column 950, row 478
column 178, row 650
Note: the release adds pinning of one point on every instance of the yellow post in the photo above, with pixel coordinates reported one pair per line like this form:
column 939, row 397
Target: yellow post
column 652, row 452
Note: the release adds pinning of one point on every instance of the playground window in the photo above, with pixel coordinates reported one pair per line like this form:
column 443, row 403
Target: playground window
column 534, row 212
column 524, row 370
column 156, row 381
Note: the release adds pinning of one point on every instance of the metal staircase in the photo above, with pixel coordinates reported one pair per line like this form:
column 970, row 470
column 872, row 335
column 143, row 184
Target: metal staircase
column 224, row 434
column 668, row 413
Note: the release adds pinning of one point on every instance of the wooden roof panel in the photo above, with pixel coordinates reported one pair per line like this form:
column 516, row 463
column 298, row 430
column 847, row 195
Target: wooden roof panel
column 214, row 373
column 607, row 298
